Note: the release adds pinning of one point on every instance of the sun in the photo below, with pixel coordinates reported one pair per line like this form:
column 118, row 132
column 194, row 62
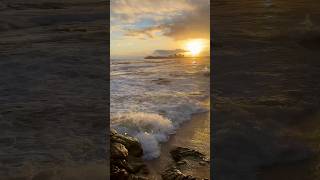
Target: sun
column 194, row 47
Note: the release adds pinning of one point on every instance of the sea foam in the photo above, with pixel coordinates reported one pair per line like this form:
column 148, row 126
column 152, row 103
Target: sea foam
column 149, row 128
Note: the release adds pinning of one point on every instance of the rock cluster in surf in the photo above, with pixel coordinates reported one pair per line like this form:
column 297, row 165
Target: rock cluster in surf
column 126, row 161
column 126, row 158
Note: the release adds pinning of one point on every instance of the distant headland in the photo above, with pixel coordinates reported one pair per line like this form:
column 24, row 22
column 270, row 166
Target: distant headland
column 166, row 57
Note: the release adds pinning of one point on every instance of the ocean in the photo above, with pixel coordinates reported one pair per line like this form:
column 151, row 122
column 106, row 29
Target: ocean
column 151, row 98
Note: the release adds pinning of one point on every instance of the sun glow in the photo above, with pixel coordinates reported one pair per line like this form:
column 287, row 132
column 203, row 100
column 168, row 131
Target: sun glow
column 194, row 47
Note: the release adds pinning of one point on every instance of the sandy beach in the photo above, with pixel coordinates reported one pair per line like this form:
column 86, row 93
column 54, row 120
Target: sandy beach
column 194, row 134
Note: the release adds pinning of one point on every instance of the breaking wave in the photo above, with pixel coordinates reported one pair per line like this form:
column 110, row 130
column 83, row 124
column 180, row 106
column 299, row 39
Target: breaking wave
column 152, row 129
column 149, row 128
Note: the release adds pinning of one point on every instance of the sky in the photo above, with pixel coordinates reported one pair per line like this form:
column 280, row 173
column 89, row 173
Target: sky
column 148, row 27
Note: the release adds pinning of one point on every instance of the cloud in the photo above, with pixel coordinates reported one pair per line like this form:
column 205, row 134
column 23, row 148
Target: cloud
column 149, row 31
column 183, row 19
column 161, row 52
column 195, row 24
column 130, row 11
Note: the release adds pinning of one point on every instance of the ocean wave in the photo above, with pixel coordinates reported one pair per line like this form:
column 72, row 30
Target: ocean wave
column 152, row 129
column 149, row 128
column 152, row 99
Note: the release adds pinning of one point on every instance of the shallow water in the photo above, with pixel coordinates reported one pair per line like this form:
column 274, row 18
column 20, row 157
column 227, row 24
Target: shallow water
column 151, row 98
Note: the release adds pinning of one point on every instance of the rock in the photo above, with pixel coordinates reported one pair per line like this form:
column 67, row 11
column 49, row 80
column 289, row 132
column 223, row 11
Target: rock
column 182, row 162
column 132, row 144
column 186, row 161
column 126, row 158
column 123, row 164
column 113, row 132
column 134, row 177
column 118, row 174
column 179, row 153
column 173, row 173
column 118, row 151
column 137, row 165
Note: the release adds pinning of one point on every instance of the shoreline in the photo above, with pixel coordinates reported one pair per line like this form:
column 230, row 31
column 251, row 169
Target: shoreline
column 193, row 134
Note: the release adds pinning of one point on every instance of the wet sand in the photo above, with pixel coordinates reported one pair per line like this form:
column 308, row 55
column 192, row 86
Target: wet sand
column 194, row 134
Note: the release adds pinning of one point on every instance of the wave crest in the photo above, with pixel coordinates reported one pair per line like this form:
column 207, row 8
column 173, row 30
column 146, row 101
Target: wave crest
column 149, row 128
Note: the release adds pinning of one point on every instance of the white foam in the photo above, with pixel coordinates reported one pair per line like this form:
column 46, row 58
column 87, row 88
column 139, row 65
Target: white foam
column 149, row 144
column 149, row 128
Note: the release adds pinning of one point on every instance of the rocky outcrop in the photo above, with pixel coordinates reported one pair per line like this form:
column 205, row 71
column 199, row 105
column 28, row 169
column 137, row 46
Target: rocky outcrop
column 126, row 158
column 185, row 161
column 132, row 144
column 173, row 173
column 180, row 153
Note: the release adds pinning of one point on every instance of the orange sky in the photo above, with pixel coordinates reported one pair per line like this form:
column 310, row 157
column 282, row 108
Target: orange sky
column 140, row 27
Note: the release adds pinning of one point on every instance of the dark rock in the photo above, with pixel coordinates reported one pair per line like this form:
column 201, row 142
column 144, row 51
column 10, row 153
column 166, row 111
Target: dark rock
column 123, row 164
column 112, row 132
column 202, row 163
column 126, row 161
column 137, row 165
column 118, row 174
column 182, row 162
column 185, row 159
column 179, row 153
column 118, row 151
column 173, row 173
column 132, row 144
column 135, row 177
